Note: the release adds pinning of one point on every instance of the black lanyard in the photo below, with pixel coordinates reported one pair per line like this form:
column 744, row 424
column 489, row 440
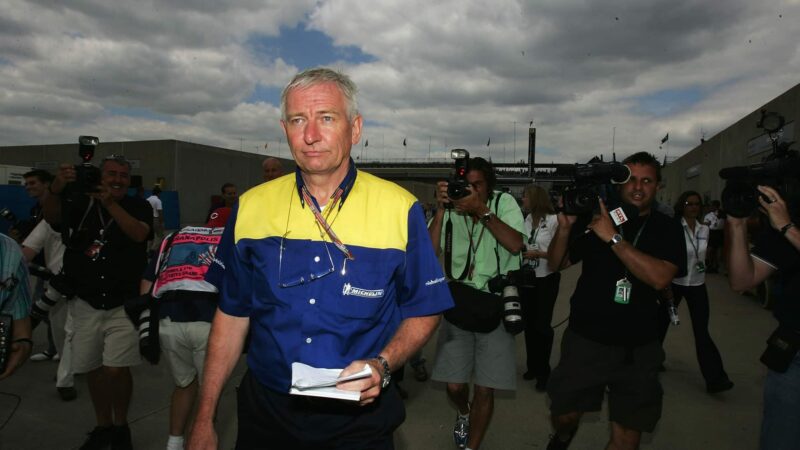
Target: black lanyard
column 635, row 239
column 691, row 241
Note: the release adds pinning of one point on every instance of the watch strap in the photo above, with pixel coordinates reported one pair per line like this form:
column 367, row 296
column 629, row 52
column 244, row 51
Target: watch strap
column 786, row 228
column 386, row 376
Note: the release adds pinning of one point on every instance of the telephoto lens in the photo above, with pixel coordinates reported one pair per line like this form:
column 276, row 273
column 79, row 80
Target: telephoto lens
column 41, row 307
column 512, row 311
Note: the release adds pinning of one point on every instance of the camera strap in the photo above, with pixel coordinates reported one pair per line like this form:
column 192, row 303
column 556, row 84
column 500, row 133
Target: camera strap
column 448, row 251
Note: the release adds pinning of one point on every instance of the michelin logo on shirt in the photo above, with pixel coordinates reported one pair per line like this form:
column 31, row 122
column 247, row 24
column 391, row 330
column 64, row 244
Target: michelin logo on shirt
column 349, row 289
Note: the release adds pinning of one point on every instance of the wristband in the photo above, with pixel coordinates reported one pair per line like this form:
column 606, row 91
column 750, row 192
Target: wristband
column 786, row 228
column 28, row 340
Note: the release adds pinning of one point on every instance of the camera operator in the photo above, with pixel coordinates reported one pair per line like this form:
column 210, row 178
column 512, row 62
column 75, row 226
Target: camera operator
column 776, row 251
column 612, row 339
column 487, row 225
column 105, row 233
column 15, row 304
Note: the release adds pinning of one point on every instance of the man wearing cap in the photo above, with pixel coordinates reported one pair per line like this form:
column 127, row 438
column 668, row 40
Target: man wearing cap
column 339, row 273
column 106, row 233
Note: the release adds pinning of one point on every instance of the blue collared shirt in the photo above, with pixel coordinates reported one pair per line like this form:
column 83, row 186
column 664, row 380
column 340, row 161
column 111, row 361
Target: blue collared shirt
column 354, row 307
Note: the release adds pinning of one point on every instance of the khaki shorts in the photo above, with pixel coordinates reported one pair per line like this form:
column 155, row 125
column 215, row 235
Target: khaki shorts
column 184, row 348
column 489, row 356
column 102, row 338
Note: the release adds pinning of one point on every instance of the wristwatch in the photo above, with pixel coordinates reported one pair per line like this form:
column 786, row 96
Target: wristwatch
column 486, row 217
column 386, row 376
column 615, row 239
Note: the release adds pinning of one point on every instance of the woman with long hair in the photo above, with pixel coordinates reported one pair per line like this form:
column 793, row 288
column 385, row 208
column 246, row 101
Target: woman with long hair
column 693, row 288
column 539, row 296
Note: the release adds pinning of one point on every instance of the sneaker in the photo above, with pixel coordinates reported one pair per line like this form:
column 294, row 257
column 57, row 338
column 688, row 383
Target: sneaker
column 99, row 439
column 557, row 444
column 461, row 431
column 420, row 371
column 719, row 386
column 121, row 437
column 43, row 356
column 67, row 393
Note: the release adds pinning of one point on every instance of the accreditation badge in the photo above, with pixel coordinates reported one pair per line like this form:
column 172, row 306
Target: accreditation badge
column 622, row 292
column 700, row 267
column 93, row 252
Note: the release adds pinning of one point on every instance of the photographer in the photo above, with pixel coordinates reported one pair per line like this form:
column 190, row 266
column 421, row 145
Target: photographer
column 612, row 338
column 776, row 251
column 15, row 303
column 487, row 229
column 105, row 233
column 50, row 306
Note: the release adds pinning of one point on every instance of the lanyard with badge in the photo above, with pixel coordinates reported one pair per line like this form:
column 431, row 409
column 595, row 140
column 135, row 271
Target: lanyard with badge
column 622, row 291
column 93, row 251
column 534, row 262
column 700, row 266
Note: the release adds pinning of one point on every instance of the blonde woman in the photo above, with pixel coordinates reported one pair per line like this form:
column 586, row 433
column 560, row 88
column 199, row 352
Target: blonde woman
column 538, row 297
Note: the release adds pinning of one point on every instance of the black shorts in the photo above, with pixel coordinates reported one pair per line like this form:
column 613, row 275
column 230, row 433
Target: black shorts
column 275, row 420
column 631, row 375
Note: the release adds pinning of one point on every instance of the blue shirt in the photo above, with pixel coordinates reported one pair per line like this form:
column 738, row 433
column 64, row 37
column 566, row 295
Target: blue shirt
column 353, row 307
column 15, row 294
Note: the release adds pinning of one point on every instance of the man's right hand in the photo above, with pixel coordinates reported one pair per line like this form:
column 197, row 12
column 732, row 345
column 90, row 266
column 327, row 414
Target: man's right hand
column 203, row 436
column 441, row 194
column 64, row 176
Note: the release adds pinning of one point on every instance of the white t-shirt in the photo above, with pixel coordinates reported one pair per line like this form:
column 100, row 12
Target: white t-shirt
column 696, row 245
column 155, row 202
column 44, row 237
column 539, row 239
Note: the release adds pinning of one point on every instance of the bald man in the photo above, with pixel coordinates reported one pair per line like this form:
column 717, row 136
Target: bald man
column 272, row 168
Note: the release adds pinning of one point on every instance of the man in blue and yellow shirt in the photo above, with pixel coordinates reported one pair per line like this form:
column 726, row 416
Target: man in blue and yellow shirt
column 330, row 267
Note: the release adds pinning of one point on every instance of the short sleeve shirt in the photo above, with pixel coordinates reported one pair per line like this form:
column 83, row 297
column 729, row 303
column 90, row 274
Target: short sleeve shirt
column 594, row 313
column 43, row 237
column 773, row 249
column 538, row 238
column 155, row 203
column 486, row 249
column 15, row 294
column 308, row 303
column 114, row 275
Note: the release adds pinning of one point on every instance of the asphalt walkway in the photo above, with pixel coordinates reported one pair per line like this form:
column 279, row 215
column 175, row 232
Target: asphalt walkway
column 32, row 416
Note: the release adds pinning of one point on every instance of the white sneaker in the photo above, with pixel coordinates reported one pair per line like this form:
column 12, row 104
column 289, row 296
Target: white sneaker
column 44, row 356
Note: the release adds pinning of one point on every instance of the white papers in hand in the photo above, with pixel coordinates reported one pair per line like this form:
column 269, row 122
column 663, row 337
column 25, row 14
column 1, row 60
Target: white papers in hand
column 317, row 382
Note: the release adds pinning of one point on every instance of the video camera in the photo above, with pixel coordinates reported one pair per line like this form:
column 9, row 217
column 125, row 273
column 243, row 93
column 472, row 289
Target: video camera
column 457, row 187
column 87, row 176
column 592, row 180
column 779, row 170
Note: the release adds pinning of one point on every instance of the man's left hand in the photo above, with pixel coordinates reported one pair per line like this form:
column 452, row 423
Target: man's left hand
column 601, row 224
column 370, row 387
column 471, row 204
column 775, row 208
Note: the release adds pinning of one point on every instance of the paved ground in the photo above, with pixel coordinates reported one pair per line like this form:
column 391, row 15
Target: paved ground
column 33, row 417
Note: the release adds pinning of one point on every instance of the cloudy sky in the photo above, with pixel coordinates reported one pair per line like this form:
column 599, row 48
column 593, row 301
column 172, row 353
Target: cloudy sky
column 444, row 74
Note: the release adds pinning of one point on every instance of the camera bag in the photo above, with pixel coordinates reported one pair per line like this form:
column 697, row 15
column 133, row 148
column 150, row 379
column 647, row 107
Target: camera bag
column 474, row 310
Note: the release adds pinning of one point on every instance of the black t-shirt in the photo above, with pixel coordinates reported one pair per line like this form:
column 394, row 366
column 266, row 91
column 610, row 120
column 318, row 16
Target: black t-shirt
column 773, row 248
column 594, row 313
column 115, row 274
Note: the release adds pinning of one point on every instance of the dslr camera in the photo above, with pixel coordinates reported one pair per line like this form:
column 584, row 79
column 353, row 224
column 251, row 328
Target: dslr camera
column 592, row 180
column 506, row 285
column 87, row 176
column 779, row 170
column 457, row 188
